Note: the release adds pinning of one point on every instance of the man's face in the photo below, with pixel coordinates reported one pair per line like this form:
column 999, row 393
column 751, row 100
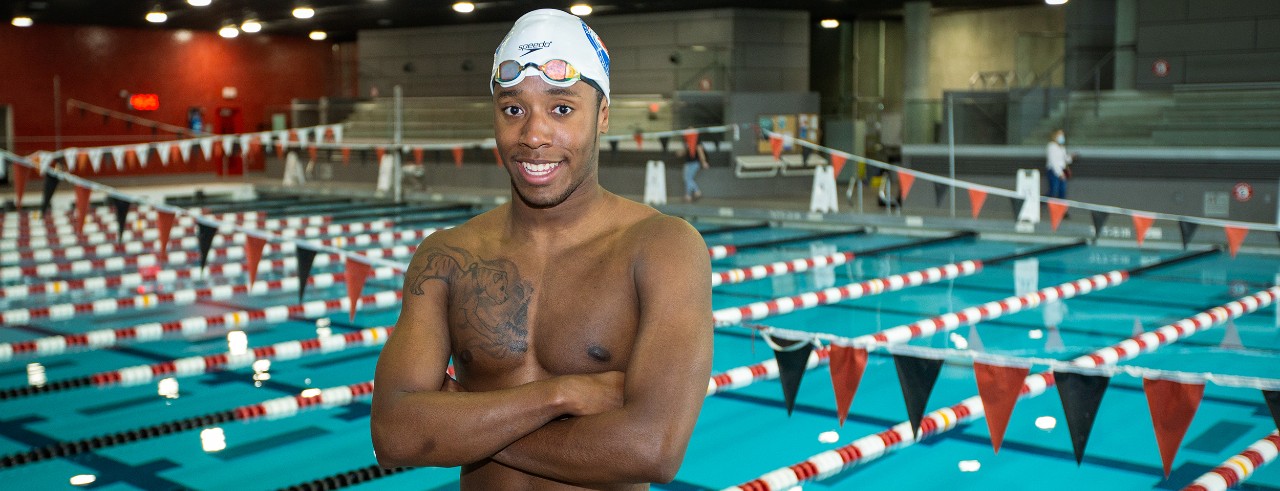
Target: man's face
column 548, row 137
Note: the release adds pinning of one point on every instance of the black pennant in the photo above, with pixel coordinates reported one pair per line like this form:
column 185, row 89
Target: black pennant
column 613, row 146
column 306, row 256
column 939, row 192
column 1081, row 394
column 122, row 215
column 664, row 140
column 1016, row 203
column 804, row 155
column 792, row 361
column 1188, row 230
column 50, row 185
column 916, row 376
column 1273, row 403
column 1099, row 218
column 204, row 235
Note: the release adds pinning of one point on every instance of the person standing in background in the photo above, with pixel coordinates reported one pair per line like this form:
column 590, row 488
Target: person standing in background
column 694, row 158
column 1057, row 161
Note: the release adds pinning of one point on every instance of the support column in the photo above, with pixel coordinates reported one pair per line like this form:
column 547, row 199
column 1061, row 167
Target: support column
column 917, row 126
column 1126, row 44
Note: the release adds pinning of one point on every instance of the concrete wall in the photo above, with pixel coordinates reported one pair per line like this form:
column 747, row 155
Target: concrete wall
column 1208, row 41
column 966, row 42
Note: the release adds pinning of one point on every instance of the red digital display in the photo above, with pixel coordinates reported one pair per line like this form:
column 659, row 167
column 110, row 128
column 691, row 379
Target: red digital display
column 144, row 102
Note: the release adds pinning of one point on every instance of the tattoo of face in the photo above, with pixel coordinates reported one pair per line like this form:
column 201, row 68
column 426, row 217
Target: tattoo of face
column 486, row 297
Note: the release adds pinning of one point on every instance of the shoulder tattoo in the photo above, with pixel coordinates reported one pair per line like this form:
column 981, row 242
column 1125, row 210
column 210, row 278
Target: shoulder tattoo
column 486, row 297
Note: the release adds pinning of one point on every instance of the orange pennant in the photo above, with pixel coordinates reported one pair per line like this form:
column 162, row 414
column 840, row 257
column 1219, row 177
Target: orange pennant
column 82, row 163
column 82, row 208
column 457, row 157
column 906, row 179
column 379, row 152
column 19, row 182
column 690, row 142
column 346, row 155
column 355, row 274
column 1172, row 406
column 417, row 155
column 1140, row 225
column 497, row 157
column 1235, row 237
column 976, row 198
column 847, row 365
column 280, row 150
column 164, row 225
column 1057, row 210
column 130, row 159
column 253, row 253
column 775, row 143
column 312, row 151
column 998, row 386
column 639, row 140
column 837, row 163
column 175, row 155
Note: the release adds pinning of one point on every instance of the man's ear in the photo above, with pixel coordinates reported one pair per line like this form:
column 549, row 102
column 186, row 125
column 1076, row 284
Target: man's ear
column 602, row 119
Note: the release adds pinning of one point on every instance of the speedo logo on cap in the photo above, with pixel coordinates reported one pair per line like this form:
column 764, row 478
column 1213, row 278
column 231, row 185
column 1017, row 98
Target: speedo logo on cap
column 531, row 47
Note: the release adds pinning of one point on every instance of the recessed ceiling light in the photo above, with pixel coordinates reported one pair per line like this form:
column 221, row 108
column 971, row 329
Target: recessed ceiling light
column 22, row 21
column 251, row 26
column 464, row 7
column 229, row 31
column 199, row 3
column 157, row 15
column 1055, row 2
column 829, row 23
column 580, row 9
column 304, row 12
column 318, row 35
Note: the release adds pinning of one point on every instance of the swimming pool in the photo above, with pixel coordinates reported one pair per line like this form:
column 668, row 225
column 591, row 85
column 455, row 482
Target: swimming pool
column 96, row 416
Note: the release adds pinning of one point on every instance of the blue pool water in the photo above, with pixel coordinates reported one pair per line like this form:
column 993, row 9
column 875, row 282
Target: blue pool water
column 742, row 433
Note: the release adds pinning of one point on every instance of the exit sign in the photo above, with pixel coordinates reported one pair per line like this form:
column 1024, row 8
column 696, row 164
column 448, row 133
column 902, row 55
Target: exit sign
column 144, row 102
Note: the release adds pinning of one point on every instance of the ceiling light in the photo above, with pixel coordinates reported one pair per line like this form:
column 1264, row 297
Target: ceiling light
column 580, row 9
column 229, row 31
column 22, row 21
column 318, row 35
column 829, row 23
column 199, row 3
column 251, row 26
column 464, row 7
column 1055, row 2
column 304, row 12
column 157, row 15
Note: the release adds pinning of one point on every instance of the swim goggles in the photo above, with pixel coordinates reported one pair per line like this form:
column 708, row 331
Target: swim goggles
column 556, row 72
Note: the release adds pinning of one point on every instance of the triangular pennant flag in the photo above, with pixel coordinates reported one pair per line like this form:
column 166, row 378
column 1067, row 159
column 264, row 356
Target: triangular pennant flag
column 998, row 386
column 792, row 361
column 143, row 152
column 246, row 142
column 1273, row 403
column 280, row 149
column 204, row 238
column 1141, row 223
column 206, row 148
column 95, row 159
column 976, row 198
column 775, row 144
column 312, row 152
column 303, row 137
column 176, row 155
column 71, row 156
column 1188, row 230
column 306, row 256
column 82, row 207
column 337, row 132
column 613, row 146
column 847, row 365
column 974, row 340
column 1231, row 337
column 1172, row 405
column 162, row 151
column 457, row 157
column 1137, row 328
column 691, row 142
column 117, row 157
column 837, row 164
column 346, row 155
column 1099, row 218
column 905, row 180
column 916, row 376
column 19, row 183
column 378, row 152
column 1053, row 341
column 355, row 274
column 1016, row 203
column 939, row 192
column 665, row 142
column 184, row 149
column 1081, row 395
column 50, row 185
column 1235, row 237
column 804, row 155
column 82, row 163
column 122, row 215
column 417, row 155
column 164, row 226
column 639, row 138
column 253, row 255
column 1057, row 210
column 228, row 143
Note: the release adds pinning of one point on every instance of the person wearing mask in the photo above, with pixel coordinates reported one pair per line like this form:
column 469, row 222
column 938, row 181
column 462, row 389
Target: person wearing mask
column 1056, row 162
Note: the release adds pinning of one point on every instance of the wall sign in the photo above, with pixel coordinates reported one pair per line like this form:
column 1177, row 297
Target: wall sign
column 1160, row 67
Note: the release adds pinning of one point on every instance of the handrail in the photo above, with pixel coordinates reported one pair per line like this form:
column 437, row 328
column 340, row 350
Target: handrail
column 85, row 106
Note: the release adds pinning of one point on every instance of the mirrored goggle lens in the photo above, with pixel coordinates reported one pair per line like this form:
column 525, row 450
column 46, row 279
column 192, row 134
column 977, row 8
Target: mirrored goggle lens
column 554, row 70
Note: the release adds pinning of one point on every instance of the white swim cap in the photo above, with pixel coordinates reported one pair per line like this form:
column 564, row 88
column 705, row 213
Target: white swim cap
column 542, row 36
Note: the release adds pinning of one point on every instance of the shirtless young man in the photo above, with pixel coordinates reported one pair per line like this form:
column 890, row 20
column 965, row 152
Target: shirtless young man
column 579, row 322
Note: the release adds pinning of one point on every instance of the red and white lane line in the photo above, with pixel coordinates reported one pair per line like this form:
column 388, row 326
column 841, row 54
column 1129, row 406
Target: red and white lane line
column 153, row 234
column 92, row 226
column 1239, row 467
column 139, row 211
column 742, row 376
column 801, row 265
column 215, row 270
column 721, row 251
column 231, row 360
column 190, row 326
column 832, row 462
column 178, row 297
column 220, row 241
column 759, row 310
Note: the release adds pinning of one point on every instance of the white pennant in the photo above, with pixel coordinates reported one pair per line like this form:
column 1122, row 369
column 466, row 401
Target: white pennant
column 95, row 159
column 70, row 155
column 184, row 149
column 265, row 138
column 206, row 148
column 162, row 148
column 46, row 159
column 227, row 143
column 303, row 138
column 283, row 137
column 337, row 132
column 117, row 156
column 143, row 152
